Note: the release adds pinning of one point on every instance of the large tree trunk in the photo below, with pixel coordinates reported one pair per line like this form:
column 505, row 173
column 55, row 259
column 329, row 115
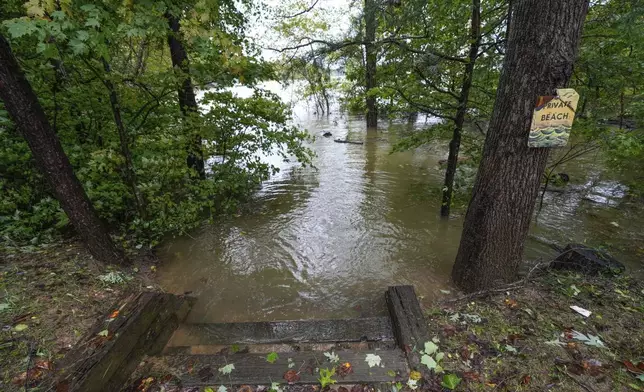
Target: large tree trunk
column 371, row 58
column 455, row 144
column 186, row 92
column 542, row 45
column 29, row 117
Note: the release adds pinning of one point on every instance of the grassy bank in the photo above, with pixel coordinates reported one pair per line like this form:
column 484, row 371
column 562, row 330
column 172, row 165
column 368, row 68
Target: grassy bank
column 49, row 297
column 529, row 339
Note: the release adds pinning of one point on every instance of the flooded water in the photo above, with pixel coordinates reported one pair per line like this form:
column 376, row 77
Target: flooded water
column 326, row 242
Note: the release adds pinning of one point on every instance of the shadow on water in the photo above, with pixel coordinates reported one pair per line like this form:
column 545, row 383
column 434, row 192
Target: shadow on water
column 326, row 242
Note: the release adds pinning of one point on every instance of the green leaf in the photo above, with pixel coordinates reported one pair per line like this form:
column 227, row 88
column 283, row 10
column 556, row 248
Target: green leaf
column 222, row 388
column 4, row 306
column 208, row 389
column 272, row 357
column 391, row 373
column 450, row 381
column 20, row 327
column 19, row 27
column 428, row 361
column 92, row 22
column 430, row 348
column 104, row 332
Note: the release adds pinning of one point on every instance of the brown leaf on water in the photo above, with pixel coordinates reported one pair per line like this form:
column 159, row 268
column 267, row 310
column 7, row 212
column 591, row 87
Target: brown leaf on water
column 291, row 376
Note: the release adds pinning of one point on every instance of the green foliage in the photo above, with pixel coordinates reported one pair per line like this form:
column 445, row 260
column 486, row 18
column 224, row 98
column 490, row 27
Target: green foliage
column 272, row 357
column 326, row 377
column 63, row 48
column 450, row 381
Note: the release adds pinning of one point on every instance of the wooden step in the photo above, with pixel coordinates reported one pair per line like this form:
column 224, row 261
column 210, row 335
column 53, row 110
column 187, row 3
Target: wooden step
column 203, row 349
column 372, row 329
column 253, row 369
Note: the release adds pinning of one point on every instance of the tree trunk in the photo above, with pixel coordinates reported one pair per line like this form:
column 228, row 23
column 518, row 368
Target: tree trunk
column 129, row 175
column 186, row 93
column 455, row 144
column 29, row 117
column 371, row 58
column 542, row 46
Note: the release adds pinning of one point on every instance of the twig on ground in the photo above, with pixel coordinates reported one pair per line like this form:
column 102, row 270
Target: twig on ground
column 579, row 382
column 30, row 355
column 512, row 286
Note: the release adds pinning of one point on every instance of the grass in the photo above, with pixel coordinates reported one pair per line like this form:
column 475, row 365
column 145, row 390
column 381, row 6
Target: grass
column 524, row 340
column 49, row 297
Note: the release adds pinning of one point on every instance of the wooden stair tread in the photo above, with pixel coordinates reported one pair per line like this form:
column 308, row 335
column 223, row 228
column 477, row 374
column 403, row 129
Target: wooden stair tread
column 253, row 369
column 372, row 329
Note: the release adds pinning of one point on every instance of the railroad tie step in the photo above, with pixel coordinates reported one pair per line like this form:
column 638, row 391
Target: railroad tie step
column 351, row 367
column 371, row 329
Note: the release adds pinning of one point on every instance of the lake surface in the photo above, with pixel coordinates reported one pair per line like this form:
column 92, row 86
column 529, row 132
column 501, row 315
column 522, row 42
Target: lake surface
column 326, row 242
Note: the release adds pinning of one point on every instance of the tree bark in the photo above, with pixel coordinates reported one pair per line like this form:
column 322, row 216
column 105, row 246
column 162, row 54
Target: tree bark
column 29, row 117
column 371, row 58
column 186, row 92
column 542, row 46
column 455, row 143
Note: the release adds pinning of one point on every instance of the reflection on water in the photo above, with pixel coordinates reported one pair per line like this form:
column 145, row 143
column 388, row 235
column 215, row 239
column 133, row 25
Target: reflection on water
column 326, row 243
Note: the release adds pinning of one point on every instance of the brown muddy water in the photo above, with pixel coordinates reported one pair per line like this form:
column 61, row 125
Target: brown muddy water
column 326, row 242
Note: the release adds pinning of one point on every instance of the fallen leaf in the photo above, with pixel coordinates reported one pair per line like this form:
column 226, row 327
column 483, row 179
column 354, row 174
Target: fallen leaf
column 373, row 360
column 430, row 348
column 449, row 330
column 45, row 365
column 639, row 369
column 332, row 357
column 415, row 375
column 510, row 303
column 344, row 370
column 428, row 361
column 525, row 380
column 272, row 357
column 227, row 369
column 114, row 314
column 450, row 381
column 582, row 311
column 104, row 332
column 291, row 376
column 472, row 376
column 20, row 327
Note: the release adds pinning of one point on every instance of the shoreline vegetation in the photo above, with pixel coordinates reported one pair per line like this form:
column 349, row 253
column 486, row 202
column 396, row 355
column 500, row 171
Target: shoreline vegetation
column 524, row 337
